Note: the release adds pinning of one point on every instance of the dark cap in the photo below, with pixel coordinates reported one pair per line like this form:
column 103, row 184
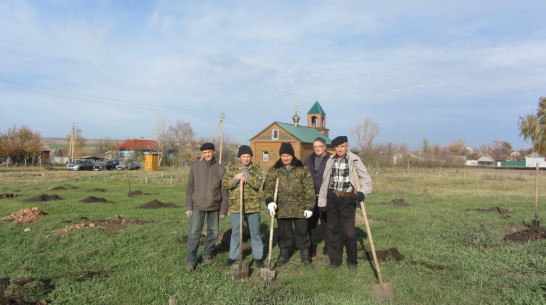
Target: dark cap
column 207, row 146
column 244, row 149
column 286, row 148
column 339, row 140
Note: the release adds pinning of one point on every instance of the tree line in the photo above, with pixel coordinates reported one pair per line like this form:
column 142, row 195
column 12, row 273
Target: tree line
column 21, row 145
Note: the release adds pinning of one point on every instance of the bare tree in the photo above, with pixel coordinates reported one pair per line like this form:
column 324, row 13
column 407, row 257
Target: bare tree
column 162, row 139
column 365, row 133
column 180, row 138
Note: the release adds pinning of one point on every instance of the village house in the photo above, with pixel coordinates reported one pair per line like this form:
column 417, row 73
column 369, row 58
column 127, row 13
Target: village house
column 267, row 142
column 135, row 147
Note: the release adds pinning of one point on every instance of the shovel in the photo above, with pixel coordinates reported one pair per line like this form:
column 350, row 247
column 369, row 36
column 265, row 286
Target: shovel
column 266, row 273
column 240, row 271
column 383, row 291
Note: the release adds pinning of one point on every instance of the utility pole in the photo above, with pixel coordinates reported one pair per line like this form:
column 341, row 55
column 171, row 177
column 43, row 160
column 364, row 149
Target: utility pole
column 71, row 148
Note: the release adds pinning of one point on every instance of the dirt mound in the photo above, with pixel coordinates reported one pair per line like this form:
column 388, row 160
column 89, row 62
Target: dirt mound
column 156, row 204
column 62, row 188
column 531, row 234
column 399, row 202
column 92, row 199
column 25, row 215
column 98, row 190
column 383, row 255
column 7, row 195
column 25, row 291
column 43, row 197
column 114, row 224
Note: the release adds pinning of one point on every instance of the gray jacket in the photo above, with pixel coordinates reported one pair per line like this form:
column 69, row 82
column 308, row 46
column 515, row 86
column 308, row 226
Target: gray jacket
column 204, row 191
column 354, row 162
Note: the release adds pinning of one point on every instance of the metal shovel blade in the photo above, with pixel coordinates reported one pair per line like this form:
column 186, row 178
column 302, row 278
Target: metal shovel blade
column 384, row 291
column 267, row 274
column 535, row 223
column 240, row 274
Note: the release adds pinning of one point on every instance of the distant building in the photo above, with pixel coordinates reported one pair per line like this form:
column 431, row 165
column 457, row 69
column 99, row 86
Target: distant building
column 486, row 160
column 130, row 148
column 267, row 142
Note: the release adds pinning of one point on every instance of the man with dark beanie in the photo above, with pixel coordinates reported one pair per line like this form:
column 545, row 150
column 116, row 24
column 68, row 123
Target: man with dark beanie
column 295, row 201
column 250, row 176
column 338, row 189
column 205, row 197
column 316, row 163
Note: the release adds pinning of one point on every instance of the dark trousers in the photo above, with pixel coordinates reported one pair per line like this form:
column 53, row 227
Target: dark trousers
column 299, row 230
column 318, row 213
column 341, row 214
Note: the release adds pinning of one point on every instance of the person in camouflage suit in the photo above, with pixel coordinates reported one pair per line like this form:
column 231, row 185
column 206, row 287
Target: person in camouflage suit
column 295, row 202
column 250, row 175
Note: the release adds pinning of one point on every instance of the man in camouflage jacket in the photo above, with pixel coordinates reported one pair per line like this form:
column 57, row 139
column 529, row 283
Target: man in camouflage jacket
column 295, row 202
column 250, row 176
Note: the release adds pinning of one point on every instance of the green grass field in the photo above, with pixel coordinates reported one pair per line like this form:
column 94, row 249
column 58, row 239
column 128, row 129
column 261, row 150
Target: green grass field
column 453, row 254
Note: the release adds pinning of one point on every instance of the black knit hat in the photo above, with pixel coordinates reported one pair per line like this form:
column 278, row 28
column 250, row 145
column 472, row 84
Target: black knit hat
column 286, row 148
column 207, row 146
column 244, row 149
column 339, row 140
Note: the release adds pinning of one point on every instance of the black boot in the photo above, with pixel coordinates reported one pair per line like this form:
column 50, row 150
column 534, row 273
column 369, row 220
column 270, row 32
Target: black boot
column 283, row 258
column 305, row 257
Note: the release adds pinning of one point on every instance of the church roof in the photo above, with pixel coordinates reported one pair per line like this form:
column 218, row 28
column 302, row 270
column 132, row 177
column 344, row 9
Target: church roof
column 316, row 109
column 303, row 133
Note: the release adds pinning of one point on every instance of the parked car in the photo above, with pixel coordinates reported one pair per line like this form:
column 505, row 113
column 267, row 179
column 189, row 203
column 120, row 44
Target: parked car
column 77, row 165
column 111, row 164
column 99, row 167
column 131, row 165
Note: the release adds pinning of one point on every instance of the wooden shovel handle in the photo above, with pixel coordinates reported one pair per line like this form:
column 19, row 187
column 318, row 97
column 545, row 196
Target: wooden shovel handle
column 271, row 226
column 368, row 230
column 241, row 228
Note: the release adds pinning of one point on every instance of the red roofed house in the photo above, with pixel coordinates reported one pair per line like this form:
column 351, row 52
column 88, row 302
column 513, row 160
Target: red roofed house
column 144, row 147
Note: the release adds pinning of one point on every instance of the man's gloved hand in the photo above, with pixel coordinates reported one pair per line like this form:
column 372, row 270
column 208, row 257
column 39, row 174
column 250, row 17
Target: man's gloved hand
column 222, row 217
column 307, row 214
column 188, row 213
column 359, row 196
column 272, row 207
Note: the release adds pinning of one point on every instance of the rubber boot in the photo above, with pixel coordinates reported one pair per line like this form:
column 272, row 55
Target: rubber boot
column 283, row 258
column 305, row 257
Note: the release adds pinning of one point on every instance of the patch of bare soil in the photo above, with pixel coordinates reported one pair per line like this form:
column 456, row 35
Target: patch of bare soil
column 24, row 291
column 383, row 255
column 399, row 202
column 136, row 193
column 63, row 187
column 8, row 195
column 92, row 199
column 98, row 190
column 492, row 210
column 156, row 204
column 25, row 215
column 393, row 253
column 114, row 224
column 43, row 197
column 531, row 234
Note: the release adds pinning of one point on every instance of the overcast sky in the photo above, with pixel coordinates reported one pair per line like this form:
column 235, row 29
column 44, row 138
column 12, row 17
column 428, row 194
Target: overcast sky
column 440, row 70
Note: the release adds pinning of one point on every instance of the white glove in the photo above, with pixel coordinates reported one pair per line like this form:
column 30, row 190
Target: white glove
column 272, row 207
column 188, row 213
column 307, row 214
